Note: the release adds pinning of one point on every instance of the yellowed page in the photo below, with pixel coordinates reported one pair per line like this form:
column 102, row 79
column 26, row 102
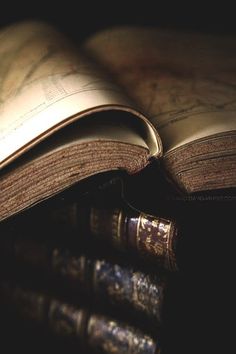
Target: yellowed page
column 184, row 82
column 45, row 84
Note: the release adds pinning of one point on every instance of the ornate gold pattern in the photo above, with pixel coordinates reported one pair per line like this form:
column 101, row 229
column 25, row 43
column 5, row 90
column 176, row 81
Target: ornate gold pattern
column 155, row 236
column 114, row 337
column 66, row 319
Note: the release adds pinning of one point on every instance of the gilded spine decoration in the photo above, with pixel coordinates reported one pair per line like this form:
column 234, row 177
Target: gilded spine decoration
column 110, row 224
column 112, row 337
column 151, row 236
column 67, row 320
column 120, row 285
column 154, row 236
column 140, row 291
column 147, row 234
column 97, row 331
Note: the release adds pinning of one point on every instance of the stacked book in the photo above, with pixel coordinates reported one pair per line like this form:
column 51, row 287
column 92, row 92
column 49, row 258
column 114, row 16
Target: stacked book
column 94, row 273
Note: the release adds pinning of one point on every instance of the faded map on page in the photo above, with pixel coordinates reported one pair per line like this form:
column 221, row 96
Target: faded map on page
column 185, row 83
column 43, row 81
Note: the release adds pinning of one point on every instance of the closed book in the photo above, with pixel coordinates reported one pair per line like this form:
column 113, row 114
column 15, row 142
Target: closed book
column 99, row 332
column 122, row 286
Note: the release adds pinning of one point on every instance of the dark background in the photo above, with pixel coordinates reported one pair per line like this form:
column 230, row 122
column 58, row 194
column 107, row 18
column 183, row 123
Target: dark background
column 201, row 304
column 81, row 18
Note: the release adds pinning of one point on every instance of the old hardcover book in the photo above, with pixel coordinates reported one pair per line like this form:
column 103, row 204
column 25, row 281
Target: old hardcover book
column 123, row 98
column 150, row 237
column 100, row 333
column 119, row 285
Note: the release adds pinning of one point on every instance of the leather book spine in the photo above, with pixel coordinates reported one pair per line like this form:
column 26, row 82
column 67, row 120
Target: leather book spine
column 111, row 336
column 120, row 285
column 149, row 235
column 128, row 229
column 99, row 332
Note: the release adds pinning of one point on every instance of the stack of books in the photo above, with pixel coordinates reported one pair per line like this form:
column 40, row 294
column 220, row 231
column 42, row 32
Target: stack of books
column 79, row 259
column 94, row 272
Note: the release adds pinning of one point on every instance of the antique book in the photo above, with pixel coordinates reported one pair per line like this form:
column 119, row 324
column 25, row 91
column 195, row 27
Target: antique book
column 122, row 286
column 148, row 237
column 125, row 97
column 99, row 332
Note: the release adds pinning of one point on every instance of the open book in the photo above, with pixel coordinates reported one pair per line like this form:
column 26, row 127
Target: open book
column 126, row 96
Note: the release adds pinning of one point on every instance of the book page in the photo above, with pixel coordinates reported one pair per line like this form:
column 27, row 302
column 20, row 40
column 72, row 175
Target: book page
column 184, row 82
column 46, row 83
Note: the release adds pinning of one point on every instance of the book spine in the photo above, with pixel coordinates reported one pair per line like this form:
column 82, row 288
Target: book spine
column 107, row 335
column 114, row 337
column 151, row 236
column 120, row 285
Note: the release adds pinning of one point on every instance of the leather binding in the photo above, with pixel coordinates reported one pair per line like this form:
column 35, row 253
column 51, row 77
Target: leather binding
column 148, row 235
column 126, row 228
column 120, row 285
column 104, row 334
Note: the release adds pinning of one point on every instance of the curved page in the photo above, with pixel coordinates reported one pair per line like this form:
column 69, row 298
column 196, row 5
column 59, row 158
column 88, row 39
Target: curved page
column 184, row 82
column 46, row 84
